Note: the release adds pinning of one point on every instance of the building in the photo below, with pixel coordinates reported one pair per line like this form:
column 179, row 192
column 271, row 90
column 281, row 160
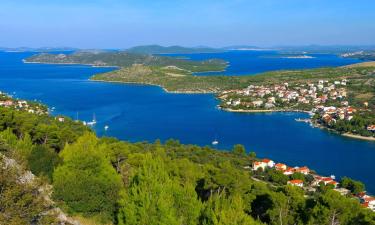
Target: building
column 288, row 171
column 257, row 165
column 280, row 166
column 303, row 170
column 270, row 163
column 371, row 128
column 297, row 183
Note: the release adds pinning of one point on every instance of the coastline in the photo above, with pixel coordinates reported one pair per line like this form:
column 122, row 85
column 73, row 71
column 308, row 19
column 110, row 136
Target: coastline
column 92, row 65
column 350, row 135
column 157, row 85
column 262, row 110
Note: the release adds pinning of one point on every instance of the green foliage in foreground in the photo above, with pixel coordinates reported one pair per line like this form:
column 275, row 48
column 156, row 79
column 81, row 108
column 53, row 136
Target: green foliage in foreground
column 86, row 181
column 153, row 183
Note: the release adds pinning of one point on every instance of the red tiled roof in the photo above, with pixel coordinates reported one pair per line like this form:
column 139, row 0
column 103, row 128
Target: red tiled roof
column 296, row 181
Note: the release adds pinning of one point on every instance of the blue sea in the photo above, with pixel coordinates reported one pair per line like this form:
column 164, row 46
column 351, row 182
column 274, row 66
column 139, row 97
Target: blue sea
column 147, row 113
column 253, row 62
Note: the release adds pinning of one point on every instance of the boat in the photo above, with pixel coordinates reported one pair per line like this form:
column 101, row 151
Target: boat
column 106, row 127
column 215, row 142
column 93, row 122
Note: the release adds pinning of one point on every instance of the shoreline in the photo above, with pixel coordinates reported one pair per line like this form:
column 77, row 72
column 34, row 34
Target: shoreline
column 348, row 135
column 157, row 85
column 83, row 64
column 262, row 110
column 355, row 136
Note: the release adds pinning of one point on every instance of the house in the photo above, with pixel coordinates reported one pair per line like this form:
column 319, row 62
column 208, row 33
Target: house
column 258, row 103
column 297, row 183
column 369, row 202
column 334, row 183
column 342, row 191
column 305, row 170
column 280, row 166
column 270, row 163
column 6, row 103
column 257, row 165
column 371, row 128
column 288, row 171
column 60, row 119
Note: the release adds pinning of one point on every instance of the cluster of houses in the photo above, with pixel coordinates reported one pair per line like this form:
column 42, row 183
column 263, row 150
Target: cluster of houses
column 8, row 102
column 366, row 201
column 282, row 95
column 331, row 114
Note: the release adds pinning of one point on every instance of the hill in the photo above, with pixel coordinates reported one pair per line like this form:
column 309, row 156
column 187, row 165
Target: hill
column 110, row 181
column 157, row 49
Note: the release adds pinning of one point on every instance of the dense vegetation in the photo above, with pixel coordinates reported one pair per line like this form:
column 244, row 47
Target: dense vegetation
column 117, row 182
column 125, row 59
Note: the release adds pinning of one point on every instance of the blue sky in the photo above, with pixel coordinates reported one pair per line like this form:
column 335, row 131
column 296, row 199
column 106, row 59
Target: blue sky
column 125, row 23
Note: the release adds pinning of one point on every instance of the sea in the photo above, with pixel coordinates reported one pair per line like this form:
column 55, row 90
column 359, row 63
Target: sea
column 147, row 113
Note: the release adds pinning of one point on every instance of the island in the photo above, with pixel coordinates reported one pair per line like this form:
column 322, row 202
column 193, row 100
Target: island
column 339, row 99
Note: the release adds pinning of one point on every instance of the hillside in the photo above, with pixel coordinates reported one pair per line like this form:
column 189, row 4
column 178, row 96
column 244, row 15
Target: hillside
column 107, row 181
column 157, row 49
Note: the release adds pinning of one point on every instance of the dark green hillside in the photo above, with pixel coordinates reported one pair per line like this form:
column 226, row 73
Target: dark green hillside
column 114, row 182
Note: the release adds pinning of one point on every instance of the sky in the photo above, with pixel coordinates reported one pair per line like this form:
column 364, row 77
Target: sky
column 215, row 23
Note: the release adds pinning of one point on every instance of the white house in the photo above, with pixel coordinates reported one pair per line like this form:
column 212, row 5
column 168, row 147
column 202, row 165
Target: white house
column 257, row 165
column 297, row 183
column 270, row 163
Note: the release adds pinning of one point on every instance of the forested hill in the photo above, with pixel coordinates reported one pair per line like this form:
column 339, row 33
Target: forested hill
column 107, row 181
column 126, row 59
column 157, row 49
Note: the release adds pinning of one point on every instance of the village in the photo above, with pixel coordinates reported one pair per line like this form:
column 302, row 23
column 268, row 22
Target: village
column 326, row 100
column 9, row 102
column 312, row 185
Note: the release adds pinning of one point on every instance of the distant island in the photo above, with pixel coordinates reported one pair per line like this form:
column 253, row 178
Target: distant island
column 126, row 59
column 157, row 49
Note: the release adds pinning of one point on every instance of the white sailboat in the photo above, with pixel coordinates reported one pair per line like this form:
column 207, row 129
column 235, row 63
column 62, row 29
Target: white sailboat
column 93, row 122
column 215, row 142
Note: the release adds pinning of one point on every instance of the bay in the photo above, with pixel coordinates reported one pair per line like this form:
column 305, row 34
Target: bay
column 147, row 113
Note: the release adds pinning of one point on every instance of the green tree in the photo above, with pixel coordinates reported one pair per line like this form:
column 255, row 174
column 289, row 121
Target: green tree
column 220, row 210
column 43, row 160
column 354, row 186
column 153, row 197
column 86, row 181
column 252, row 154
column 239, row 150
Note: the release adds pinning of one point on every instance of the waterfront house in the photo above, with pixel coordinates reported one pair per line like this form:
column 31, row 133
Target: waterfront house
column 297, row 183
column 288, row 171
column 270, row 163
column 371, row 128
column 305, row 170
column 257, row 165
column 280, row 166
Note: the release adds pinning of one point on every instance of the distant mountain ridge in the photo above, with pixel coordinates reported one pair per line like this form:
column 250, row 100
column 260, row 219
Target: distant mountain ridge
column 158, row 49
